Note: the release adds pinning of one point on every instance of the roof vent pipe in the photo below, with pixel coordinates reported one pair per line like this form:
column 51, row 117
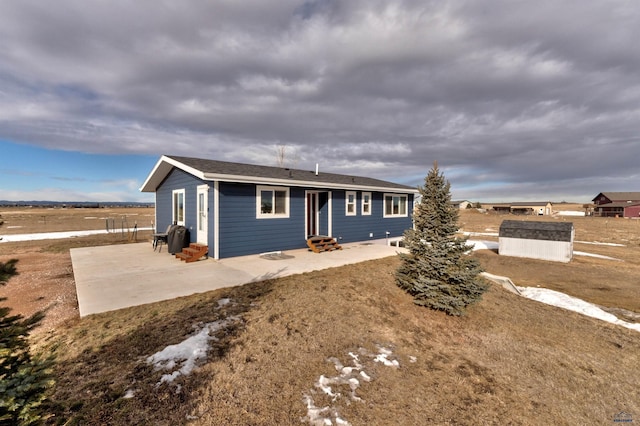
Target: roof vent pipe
column 317, row 165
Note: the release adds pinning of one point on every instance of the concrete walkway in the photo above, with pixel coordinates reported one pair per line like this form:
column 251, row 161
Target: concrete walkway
column 115, row 277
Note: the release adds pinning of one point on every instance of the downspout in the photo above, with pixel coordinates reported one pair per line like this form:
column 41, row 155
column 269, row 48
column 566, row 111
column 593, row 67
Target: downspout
column 216, row 220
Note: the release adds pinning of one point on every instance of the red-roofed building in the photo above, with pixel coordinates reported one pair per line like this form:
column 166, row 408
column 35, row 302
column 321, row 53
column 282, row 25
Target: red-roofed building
column 617, row 204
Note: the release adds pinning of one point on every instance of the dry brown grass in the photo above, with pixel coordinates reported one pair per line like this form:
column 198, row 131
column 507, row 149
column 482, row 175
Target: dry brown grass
column 508, row 361
column 23, row 220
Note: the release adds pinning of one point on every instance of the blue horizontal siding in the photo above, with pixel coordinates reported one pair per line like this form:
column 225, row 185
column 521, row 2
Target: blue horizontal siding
column 349, row 229
column 179, row 179
column 241, row 233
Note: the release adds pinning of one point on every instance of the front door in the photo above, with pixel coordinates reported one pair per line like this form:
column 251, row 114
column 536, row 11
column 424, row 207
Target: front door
column 203, row 214
column 312, row 214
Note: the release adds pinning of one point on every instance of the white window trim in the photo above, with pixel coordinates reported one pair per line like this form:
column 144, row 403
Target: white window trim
column 362, row 212
column 259, row 214
column 347, row 204
column 174, row 219
column 384, row 205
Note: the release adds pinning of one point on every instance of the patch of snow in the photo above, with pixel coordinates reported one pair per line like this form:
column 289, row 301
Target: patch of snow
column 561, row 300
column 383, row 358
column 485, row 234
column 413, row 359
column 482, row 245
column 570, row 213
column 348, row 376
column 597, row 243
column 129, row 394
column 183, row 357
column 59, row 235
column 599, row 256
column 223, row 302
column 318, row 416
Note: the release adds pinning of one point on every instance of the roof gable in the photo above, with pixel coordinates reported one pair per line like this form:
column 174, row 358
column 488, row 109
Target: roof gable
column 250, row 173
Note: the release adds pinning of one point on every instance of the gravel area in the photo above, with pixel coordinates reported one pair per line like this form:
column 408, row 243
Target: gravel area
column 44, row 282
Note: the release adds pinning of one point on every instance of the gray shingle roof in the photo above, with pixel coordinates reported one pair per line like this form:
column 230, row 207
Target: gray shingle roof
column 535, row 230
column 215, row 169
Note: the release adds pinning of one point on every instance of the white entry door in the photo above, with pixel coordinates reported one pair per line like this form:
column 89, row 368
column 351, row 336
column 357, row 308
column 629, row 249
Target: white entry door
column 203, row 214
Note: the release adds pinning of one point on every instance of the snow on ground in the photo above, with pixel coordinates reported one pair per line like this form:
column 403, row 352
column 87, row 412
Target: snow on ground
column 481, row 234
column 556, row 298
column 492, row 245
column 570, row 213
column 562, row 300
column 599, row 256
column 597, row 243
column 59, row 235
column 181, row 359
column 349, row 377
column 482, row 245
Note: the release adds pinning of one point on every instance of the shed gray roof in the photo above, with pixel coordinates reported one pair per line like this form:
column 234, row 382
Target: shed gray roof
column 536, row 230
column 251, row 173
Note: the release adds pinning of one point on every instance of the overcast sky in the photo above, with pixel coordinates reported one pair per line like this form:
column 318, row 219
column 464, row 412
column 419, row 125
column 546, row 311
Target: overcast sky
column 516, row 100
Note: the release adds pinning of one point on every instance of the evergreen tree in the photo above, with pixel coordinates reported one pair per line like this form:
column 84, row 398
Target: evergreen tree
column 437, row 271
column 24, row 378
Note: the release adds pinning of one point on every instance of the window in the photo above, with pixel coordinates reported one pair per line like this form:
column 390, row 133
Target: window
column 272, row 202
column 178, row 207
column 395, row 205
column 366, row 203
column 350, row 203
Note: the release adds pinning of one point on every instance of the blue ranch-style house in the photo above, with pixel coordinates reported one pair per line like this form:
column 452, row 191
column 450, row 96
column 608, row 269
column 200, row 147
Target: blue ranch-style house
column 240, row 209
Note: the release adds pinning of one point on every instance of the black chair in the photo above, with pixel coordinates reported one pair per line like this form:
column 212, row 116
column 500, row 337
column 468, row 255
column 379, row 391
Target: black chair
column 160, row 238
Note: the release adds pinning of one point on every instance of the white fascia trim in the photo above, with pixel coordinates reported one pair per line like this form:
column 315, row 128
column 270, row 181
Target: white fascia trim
column 330, row 218
column 162, row 169
column 289, row 182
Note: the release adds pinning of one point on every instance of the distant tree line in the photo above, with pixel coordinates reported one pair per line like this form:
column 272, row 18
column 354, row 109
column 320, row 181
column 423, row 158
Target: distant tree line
column 74, row 204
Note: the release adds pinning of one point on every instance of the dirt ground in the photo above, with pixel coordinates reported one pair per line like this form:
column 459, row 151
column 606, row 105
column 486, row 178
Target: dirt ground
column 45, row 274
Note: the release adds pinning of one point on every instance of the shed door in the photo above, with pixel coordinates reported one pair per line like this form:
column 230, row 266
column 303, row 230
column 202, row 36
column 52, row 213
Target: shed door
column 203, row 214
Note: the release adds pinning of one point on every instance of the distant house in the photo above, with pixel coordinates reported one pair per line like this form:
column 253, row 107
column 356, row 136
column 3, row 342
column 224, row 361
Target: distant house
column 536, row 208
column 461, row 204
column 536, row 240
column 617, row 204
column 239, row 209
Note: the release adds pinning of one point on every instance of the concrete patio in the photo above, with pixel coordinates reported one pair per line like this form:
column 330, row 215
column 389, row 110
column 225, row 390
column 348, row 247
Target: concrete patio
column 119, row 276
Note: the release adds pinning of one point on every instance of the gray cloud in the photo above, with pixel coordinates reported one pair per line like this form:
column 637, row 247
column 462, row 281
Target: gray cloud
column 514, row 99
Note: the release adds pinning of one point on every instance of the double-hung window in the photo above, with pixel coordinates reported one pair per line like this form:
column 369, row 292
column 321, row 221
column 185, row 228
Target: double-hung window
column 350, row 203
column 178, row 206
column 272, row 202
column 366, row 204
column 395, row 205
